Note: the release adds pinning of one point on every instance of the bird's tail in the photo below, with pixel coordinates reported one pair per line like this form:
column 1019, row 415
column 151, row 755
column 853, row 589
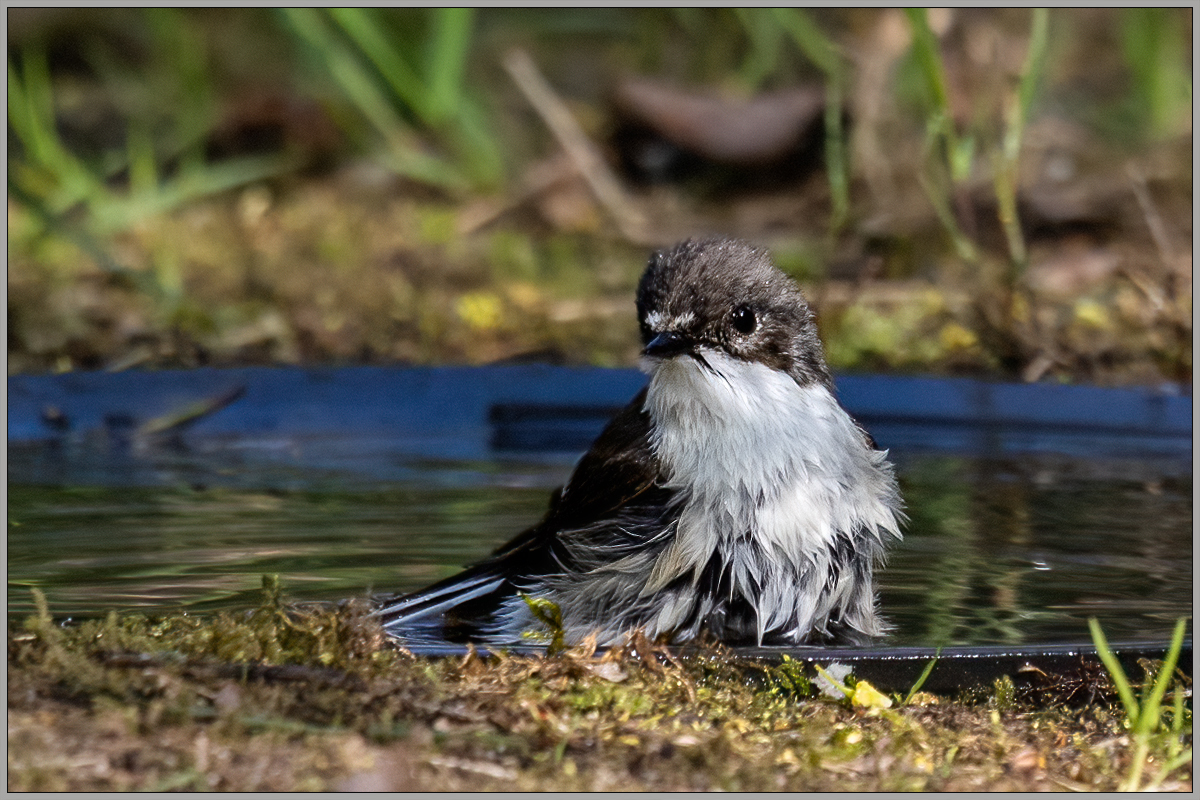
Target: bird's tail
column 463, row 607
column 453, row 602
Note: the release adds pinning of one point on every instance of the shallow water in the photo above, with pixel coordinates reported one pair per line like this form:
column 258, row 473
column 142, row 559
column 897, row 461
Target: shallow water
column 1018, row 550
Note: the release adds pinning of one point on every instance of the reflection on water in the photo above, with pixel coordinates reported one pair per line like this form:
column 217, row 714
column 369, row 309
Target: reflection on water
column 1026, row 551
column 996, row 551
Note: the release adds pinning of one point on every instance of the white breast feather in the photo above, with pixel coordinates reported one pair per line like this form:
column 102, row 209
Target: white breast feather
column 757, row 453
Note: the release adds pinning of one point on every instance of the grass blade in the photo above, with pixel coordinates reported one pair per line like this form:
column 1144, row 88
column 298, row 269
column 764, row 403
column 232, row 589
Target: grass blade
column 916, row 687
column 1032, row 72
column 364, row 29
column 1155, row 45
column 811, row 40
column 1149, row 717
column 449, row 46
column 1007, row 168
column 925, row 48
column 50, row 171
column 1115, row 671
column 118, row 214
column 837, row 164
column 765, row 45
column 347, row 72
column 824, row 53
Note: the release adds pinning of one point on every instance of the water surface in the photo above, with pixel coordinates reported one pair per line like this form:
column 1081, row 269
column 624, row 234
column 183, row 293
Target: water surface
column 1013, row 550
column 1032, row 506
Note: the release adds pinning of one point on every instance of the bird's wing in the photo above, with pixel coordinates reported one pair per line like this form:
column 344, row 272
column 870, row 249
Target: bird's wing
column 618, row 468
column 618, row 471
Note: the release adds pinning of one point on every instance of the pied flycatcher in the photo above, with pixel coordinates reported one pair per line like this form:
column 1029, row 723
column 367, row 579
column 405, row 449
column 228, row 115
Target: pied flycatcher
column 733, row 495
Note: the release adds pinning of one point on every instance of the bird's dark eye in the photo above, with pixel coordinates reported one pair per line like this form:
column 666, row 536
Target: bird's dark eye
column 744, row 320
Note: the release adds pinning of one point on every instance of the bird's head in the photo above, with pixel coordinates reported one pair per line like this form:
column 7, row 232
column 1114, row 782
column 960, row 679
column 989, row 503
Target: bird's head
column 723, row 296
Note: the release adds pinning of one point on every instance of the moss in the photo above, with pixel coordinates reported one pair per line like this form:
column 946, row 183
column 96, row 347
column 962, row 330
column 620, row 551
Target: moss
column 289, row 697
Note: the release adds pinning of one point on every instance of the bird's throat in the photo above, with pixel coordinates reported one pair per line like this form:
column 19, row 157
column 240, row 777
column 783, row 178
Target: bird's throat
column 755, row 454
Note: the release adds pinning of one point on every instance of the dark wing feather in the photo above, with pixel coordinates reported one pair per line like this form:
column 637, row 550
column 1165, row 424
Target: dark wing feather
column 619, row 466
column 619, row 470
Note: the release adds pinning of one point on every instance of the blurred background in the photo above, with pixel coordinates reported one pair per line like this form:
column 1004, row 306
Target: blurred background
column 996, row 192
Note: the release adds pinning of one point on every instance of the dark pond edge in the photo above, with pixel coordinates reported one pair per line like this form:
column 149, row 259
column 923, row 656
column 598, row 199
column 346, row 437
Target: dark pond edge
column 958, row 668
column 485, row 412
column 975, row 666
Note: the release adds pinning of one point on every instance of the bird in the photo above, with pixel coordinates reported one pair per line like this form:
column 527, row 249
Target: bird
column 733, row 498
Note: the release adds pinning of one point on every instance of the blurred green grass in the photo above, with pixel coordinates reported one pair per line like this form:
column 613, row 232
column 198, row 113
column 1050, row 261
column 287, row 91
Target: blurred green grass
column 412, row 88
column 120, row 118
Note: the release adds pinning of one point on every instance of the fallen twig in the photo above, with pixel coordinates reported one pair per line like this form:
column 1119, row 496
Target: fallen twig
column 179, row 418
column 1158, row 230
column 558, row 118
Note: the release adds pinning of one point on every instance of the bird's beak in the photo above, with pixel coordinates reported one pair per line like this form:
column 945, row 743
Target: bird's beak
column 669, row 343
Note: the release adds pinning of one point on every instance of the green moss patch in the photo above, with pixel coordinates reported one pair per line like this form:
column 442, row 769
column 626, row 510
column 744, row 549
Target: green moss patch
column 286, row 697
